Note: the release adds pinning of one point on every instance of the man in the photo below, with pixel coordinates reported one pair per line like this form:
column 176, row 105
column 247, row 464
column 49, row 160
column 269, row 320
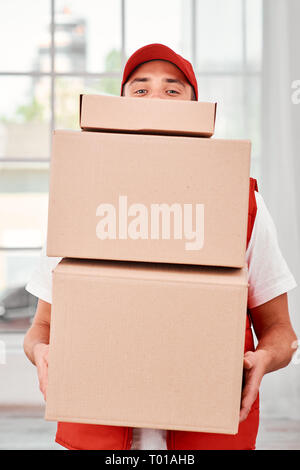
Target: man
column 155, row 71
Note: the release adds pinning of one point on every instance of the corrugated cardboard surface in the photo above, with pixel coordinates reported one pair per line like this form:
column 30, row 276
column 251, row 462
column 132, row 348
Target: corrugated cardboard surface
column 91, row 168
column 147, row 345
column 99, row 112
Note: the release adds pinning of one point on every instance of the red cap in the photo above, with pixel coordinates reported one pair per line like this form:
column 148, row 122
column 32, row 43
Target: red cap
column 159, row 52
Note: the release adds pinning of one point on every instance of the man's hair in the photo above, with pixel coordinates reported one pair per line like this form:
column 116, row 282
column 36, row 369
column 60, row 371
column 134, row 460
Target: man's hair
column 193, row 95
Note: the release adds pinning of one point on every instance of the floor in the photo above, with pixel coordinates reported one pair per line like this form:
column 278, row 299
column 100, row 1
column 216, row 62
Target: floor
column 279, row 434
column 25, row 428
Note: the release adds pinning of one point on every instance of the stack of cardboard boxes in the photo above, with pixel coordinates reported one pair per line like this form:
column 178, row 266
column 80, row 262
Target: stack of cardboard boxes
column 149, row 303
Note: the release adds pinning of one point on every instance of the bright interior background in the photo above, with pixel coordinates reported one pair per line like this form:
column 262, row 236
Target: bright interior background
column 53, row 50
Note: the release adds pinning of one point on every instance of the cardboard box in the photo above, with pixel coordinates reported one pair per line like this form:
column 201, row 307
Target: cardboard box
column 147, row 345
column 148, row 198
column 155, row 116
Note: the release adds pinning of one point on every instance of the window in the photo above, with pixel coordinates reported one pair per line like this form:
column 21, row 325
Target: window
column 60, row 48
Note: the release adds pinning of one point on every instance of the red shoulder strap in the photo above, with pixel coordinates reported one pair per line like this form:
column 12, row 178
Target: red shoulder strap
column 252, row 208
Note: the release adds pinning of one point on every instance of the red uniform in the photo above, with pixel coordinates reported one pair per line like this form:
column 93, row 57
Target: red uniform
column 100, row 437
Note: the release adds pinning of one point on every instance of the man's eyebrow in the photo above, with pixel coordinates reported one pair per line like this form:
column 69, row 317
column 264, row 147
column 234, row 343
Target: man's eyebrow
column 167, row 80
column 174, row 80
column 139, row 79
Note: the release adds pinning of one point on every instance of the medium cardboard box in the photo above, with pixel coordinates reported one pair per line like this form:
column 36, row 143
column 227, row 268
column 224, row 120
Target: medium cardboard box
column 148, row 198
column 155, row 116
column 147, row 345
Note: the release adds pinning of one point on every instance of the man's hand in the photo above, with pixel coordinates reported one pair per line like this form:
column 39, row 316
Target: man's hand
column 36, row 342
column 41, row 352
column 254, row 370
column 277, row 343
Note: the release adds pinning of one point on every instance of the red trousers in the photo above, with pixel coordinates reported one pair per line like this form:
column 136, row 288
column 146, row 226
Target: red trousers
column 77, row 436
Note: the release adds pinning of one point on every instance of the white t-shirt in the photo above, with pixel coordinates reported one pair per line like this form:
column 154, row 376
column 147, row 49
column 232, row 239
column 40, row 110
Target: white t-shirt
column 268, row 277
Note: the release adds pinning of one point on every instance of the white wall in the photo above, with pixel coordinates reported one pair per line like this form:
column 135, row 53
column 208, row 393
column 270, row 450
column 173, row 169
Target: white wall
column 280, row 175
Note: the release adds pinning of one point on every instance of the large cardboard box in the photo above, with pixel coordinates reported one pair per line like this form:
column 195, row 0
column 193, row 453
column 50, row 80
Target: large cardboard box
column 155, row 116
column 148, row 198
column 147, row 345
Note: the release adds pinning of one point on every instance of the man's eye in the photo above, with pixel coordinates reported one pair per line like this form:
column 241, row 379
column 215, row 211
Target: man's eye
column 173, row 92
column 141, row 90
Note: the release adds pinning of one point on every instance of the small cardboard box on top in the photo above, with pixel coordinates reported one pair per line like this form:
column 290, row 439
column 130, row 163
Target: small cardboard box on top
column 152, row 198
column 143, row 345
column 146, row 116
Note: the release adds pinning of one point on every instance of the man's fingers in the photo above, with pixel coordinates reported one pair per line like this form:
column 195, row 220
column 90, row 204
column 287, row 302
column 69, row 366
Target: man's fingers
column 254, row 369
column 248, row 364
column 249, row 396
column 247, row 403
column 244, row 414
column 45, row 386
column 46, row 357
column 41, row 361
column 43, row 377
column 249, row 360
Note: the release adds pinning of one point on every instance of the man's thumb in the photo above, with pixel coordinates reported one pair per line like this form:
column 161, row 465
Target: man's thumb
column 248, row 361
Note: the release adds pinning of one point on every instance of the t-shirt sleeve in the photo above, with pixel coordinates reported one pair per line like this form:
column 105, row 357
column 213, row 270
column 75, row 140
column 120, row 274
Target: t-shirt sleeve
column 40, row 282
column 268, row 272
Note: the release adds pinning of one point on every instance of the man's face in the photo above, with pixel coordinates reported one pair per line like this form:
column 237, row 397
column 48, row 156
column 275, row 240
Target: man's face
column 158, row 79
